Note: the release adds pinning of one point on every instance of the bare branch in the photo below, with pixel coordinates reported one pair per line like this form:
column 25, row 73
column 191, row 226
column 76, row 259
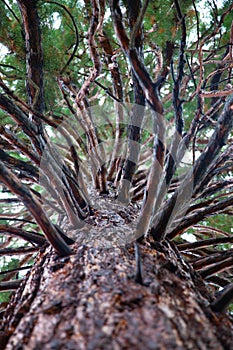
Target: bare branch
column 152, row 97
column 18, row 251
column 10, row 285
column 31, row 237
column 191, row 220
column 34, row 207
column 205, row 243
column 220, row 93
column 136, row 14
column 217, row 267
column 93, row 52
column 138, row 24
column 223, row 300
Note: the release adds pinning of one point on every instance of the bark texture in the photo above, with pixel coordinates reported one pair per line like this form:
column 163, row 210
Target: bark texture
column 90, row 300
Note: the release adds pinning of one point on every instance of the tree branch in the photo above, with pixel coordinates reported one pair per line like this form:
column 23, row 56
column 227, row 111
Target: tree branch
column 136, row 14
column 223, row 300
column 151, row 93
column 199, row 216
column 34, row 207
column 193, row 177
column 31, row 237
column 34, row 56
column 18, row 251
column 10, row 285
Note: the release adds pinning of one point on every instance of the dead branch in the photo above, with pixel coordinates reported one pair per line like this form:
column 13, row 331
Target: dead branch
column 216, row 267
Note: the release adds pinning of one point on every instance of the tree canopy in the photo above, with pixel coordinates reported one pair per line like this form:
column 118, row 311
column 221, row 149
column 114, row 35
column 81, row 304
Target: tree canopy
column 116, row 126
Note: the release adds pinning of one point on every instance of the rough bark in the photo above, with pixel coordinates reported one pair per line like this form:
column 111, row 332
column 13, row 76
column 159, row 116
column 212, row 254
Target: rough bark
column 90, row 300
column 34, row 55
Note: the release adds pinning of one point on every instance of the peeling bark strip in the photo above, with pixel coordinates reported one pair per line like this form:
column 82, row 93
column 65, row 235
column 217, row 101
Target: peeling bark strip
column 94, row 303
column 34, row 207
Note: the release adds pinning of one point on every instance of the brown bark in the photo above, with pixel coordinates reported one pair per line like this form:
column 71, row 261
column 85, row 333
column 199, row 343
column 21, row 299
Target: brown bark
column 34, row 55
column 90, row 300
column 137, row 113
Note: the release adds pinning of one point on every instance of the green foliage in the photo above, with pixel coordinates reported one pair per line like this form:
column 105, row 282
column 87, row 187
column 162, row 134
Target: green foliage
column 6, row 266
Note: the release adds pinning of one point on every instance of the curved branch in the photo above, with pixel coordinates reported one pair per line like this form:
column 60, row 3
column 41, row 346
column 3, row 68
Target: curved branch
column 76, row 34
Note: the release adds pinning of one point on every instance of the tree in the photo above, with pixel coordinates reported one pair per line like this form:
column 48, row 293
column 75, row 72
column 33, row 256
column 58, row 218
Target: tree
column 116, row 164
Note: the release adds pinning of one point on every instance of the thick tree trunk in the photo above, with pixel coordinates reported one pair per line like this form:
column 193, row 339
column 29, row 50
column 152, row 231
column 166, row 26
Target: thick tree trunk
column 90, row 300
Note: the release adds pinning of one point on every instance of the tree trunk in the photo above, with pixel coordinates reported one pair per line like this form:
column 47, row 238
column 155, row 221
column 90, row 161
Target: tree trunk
column 90, row 300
